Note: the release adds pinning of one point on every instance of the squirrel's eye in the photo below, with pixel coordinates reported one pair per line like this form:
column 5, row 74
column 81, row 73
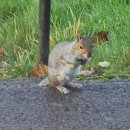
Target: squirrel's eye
column 81, row 47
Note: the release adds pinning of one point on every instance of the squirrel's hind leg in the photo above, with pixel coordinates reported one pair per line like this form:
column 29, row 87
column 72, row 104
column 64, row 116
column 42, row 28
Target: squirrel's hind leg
column 75, row 85
column 58, row 84
column 62, row 89
column 44, row 82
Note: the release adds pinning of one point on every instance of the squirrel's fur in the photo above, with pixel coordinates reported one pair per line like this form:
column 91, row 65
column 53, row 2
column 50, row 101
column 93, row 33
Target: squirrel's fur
column 65, row 61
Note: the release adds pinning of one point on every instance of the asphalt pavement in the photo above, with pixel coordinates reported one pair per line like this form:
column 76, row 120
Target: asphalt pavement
column 101, row 105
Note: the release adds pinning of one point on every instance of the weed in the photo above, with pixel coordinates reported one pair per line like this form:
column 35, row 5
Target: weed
column 19, row 33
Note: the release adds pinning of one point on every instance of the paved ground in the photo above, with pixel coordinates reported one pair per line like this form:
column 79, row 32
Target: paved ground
column 101, row 105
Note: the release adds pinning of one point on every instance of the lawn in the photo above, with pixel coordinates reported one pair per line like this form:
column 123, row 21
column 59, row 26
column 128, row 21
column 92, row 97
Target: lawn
column 19, row 33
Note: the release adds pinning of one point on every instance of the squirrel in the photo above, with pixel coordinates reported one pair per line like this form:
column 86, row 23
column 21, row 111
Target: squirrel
column 65, row 61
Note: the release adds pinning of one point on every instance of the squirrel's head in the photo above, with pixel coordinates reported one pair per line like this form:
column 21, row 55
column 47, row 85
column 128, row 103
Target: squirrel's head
column 83, row 48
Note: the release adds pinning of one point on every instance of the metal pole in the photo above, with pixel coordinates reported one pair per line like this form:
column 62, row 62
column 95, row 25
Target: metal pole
column 44, row 30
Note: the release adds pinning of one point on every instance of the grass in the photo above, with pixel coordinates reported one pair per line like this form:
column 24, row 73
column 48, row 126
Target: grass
column 19, row 33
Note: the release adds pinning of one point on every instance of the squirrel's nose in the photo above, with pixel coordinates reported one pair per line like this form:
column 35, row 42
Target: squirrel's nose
column 89, row 54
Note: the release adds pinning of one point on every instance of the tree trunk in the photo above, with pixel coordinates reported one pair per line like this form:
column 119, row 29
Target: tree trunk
column 44, row 30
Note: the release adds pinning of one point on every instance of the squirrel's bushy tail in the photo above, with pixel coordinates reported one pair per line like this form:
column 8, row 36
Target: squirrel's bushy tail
column 44, row 82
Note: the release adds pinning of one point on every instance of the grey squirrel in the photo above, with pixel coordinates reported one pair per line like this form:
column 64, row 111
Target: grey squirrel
column 65, row 61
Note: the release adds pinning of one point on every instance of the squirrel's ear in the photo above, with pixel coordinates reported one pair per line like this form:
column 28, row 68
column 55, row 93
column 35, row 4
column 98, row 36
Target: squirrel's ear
column 79, row 37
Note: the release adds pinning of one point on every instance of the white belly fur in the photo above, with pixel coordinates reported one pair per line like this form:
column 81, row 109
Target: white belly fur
column 69, row 72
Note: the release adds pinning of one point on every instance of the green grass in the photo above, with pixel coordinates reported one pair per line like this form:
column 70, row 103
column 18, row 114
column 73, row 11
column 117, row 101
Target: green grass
column 19, row 33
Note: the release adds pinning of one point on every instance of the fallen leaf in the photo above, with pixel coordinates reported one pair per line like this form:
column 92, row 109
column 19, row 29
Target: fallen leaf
column 101, row 36
column 38, row 71
column 128, row 1
column 87, row 72
column 104, row 64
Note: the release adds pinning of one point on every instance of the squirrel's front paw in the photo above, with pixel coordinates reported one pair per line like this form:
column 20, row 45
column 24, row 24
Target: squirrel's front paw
column 63, row 89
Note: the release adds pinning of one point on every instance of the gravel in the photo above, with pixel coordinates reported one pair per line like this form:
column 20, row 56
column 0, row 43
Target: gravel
column 101, row 105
